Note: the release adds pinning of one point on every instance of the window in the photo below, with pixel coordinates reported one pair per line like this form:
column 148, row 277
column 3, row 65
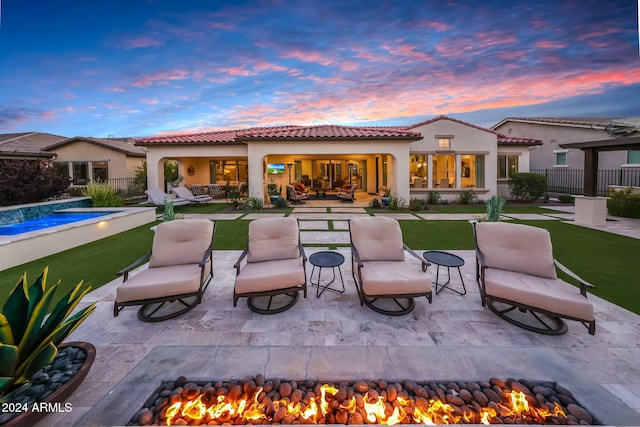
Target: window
column 80, row 173
column 471, row 171
column 444, row 171
column 633, row 157
column 561, row 159
column 444, row 143
column 100, row 171
column 507, row 166
column 418, row 171
column 62, row 167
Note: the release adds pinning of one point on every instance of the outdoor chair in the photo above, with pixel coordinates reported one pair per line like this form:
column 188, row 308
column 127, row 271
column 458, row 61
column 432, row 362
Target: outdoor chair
column 179, row 272
column 516, row 274
column 242, row 188
column 198, row 190
column 294, row 197
column 418, row 182
column 185, row 193
column 216, row 191
column 349, row 195
column 386, row 282
column 157, row 197
column 444, row 183
column 274, row 272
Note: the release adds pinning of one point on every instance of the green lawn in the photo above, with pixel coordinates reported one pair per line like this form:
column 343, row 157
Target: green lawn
column 609, row 261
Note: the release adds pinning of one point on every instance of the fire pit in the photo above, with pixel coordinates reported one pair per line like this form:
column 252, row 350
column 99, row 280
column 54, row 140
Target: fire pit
column 257, row 400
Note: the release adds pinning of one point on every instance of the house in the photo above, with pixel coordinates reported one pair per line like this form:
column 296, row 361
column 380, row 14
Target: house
column 556, row 131
column 85, row 159
column 28, row 145
column 442, row 154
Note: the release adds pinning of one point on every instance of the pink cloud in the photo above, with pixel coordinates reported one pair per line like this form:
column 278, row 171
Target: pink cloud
column 149, row 101
column 161, row 77
column 141, row 42
column 435, row 25
column 117, row 89
column 236, row 71
column 549, row 44
column 222, row 26
column 349, row 66
column 309, row 56
column 408, row 51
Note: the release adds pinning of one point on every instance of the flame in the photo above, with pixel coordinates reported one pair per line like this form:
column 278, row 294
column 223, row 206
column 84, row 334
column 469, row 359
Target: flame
column 375, row 409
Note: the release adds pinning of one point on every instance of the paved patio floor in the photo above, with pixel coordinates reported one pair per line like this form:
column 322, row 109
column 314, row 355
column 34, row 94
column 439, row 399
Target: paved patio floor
column 452, row 338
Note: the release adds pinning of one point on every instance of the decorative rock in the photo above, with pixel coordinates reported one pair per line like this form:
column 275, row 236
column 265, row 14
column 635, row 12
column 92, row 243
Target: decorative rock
column 285, row 389
column 492, row 395
column 145, row 417
column 454, row 400
column 361, row 387
column 481, row 398
column 465, row 395
column 580, row 413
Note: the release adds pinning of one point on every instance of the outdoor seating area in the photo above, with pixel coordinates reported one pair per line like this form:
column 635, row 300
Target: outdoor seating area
column 454, row 330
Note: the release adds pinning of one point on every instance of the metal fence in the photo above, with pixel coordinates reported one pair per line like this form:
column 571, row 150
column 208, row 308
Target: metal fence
column 127, row 187
column 571, row 181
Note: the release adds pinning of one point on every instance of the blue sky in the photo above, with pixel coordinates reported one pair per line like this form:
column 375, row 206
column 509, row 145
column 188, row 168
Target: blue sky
column 150, row 67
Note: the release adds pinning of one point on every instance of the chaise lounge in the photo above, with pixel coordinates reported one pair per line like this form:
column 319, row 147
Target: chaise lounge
column 179, row 272
column 516, row 274
column 186, row 194
column 157, row 197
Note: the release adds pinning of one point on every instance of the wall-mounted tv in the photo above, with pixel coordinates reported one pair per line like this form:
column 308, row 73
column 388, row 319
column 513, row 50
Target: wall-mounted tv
column 275, row 168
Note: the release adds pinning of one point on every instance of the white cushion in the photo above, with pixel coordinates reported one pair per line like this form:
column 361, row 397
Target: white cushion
column 273, row 238
column 377, row 239
column 160, row 282
column 516, row 247
column 182, row 241
column 270, row 275
column 394, row 277
column 554, row 295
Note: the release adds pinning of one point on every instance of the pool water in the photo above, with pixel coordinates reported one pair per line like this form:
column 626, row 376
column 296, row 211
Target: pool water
column 48, row 221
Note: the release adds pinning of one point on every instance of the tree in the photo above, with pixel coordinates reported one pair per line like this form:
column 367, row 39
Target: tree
column 29, row 181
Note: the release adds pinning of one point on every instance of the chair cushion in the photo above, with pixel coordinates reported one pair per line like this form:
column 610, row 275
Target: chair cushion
column 554, row 295
column 182, row 241
column 394, row 277
column 160, row 282
column 270, row 275
column 273, row 238
column 377, row 238
column 516, row 247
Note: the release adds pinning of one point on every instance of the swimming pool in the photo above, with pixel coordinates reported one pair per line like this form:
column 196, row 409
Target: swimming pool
column 48, row 221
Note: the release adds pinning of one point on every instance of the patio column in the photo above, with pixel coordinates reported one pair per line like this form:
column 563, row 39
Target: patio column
column 429, row 171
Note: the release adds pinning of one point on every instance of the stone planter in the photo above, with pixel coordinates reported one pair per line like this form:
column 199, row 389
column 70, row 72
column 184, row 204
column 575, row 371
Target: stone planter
column 54, row 402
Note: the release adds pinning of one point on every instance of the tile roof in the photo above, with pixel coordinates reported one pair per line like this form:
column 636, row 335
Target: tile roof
column 27, row 144
column 599, row 122
column 320, row 132
column 507, row 140
column 443, row 117
column 123, row 145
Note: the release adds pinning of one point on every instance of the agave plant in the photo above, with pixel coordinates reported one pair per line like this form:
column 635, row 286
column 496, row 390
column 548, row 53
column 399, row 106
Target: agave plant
column 494, row 208
column 169, row 214
column 30, row 331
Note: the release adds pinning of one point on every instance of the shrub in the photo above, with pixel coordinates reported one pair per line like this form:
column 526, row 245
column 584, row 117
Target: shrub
column 527, row 186
column 417, row 204
column 624, row 203
column 102, row 195
column 565, row 198
column 280, row 203
column 32, row 327
column 468, row 197
column 29, row 181
column 433, row 198
column 375, row 203
column 254, row 203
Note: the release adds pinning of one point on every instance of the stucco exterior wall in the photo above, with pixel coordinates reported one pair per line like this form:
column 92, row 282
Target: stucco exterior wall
column 464, row 140
column 80, row 151
column 543, row 156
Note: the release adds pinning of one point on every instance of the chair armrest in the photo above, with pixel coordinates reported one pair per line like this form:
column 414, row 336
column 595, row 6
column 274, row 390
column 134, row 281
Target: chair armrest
column 480, row 258
column 356, row 256
column 302, row 253
column 425, row 263
column 583, row 283
column 242, row 255
column 207, row 255
column 125, row 271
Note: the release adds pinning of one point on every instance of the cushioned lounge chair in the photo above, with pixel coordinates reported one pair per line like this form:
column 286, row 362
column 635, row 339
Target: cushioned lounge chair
column 387, row 283
column 348, row 196
column 216, row 191
column 180, row 269
column 294, row 197
column 274, row 272
column 516, row 274
column 157, row 197
column 185, row 193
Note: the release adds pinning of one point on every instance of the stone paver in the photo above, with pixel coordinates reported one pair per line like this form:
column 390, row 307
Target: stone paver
column 537, row 217
column 340, row 225
column 449, row 217
column 334, row 216
column 348, row 210
column 215, row 217
column 308, row 210
column 307, row 237
column 314, row 225
column 263, row 215
column 399, row 216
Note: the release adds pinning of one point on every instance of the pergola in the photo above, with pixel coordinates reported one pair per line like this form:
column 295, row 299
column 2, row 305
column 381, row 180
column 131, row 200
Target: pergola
column 591, row 150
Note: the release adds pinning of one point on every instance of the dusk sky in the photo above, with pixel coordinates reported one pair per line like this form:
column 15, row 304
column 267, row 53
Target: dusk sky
column 151, row 67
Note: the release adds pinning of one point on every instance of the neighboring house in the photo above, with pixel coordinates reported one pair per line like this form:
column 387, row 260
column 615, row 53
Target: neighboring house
column 28, row 145
column 442, row 154
column 555, row 131
column 85, row 159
